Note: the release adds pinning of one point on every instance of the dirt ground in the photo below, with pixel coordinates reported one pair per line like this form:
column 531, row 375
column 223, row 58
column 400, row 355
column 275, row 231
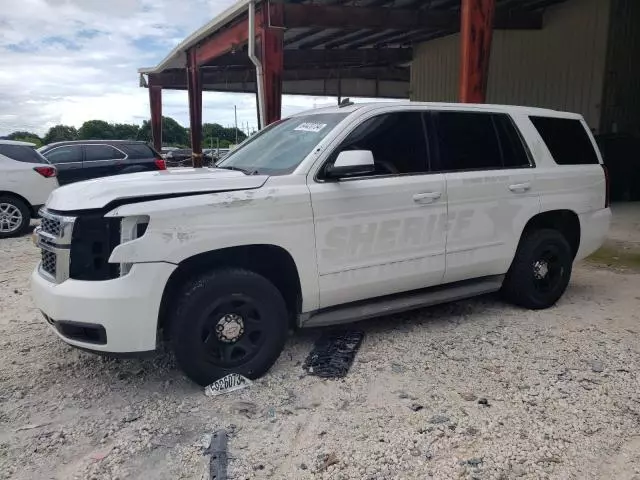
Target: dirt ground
column 475, row 390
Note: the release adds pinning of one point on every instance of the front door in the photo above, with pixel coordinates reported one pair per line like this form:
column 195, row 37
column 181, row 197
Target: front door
column 383, row 233
column 491, row 190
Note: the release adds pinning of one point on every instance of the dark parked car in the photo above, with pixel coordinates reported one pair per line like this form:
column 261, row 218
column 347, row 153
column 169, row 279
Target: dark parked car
column 86, row 159
column 180, row 157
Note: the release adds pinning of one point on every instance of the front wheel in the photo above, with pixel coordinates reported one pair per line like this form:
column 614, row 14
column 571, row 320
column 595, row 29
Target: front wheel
column 540, row 271
column 228, row 321
column 14, row 216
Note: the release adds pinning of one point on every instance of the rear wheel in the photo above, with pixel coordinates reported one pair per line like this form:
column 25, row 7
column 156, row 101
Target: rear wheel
column 540, row 271
column 14, row 216
column 228, row 321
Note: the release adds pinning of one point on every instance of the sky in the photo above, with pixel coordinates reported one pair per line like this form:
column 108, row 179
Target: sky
column 68, row 61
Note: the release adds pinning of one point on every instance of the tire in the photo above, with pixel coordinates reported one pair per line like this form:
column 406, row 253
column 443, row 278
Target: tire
column 228, row 321
column 540, row 271
column 13, row 210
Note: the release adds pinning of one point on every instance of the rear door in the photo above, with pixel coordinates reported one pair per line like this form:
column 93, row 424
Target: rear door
column 382, row 233
column 491, row 191
column 101, row 160
column 68, row 161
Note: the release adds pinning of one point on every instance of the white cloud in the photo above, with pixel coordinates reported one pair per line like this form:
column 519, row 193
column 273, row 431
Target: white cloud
column 68, row 61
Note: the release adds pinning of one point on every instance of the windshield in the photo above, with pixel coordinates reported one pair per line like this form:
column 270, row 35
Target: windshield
column 279, row 148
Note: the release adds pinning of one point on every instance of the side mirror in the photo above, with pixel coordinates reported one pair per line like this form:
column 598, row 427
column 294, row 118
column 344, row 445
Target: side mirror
column 352, row 162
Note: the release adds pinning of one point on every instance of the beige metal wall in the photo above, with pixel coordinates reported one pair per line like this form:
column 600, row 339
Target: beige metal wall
column 621, row 104
column 561, row 66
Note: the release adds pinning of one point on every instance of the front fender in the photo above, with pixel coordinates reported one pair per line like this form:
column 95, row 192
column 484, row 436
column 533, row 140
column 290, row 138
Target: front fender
column 181, row 228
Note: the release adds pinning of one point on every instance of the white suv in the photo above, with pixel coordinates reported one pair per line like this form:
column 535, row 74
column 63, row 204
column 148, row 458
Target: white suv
column 329, row 216
column 26, row 180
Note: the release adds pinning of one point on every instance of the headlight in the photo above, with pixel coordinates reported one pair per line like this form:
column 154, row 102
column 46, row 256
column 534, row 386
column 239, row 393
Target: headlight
column 131, row 228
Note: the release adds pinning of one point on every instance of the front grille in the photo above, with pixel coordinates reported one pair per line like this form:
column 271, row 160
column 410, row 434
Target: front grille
column 49, row 262
column 54, row 238
column 52, row 226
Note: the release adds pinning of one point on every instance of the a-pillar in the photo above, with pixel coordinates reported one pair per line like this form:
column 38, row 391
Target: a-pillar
column 476, row 32
column 272, row 40
column 155, row 102
column 194, row 90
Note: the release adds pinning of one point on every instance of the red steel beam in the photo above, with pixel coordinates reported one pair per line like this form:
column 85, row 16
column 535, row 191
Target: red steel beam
column 224, row 41
column 155, row 102
column 194, row 89
column 272, row 43
column 476, row 32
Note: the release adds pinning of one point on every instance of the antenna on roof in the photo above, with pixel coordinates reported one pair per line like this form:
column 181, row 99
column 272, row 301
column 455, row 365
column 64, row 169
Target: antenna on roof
column 345, row 103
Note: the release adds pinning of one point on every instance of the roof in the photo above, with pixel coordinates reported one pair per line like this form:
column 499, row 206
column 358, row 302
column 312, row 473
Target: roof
column 331, row 47
column 16, row 142
column 514, row 109
column 95, row 142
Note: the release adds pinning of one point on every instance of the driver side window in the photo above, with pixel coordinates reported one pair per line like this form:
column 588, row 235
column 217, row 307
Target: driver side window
column 397, row 141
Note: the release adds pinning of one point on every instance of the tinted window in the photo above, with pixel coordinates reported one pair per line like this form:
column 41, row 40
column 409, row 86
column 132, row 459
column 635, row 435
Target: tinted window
column 566, row 139
column 68, row 154
column 138, row 150
column 513, row 152
column 467, row 141
column 21, row 153
column 101, row 152
column 397, row 141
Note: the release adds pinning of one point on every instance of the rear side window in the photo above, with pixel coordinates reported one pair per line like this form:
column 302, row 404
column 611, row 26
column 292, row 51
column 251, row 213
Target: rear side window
column 514, row 154
column 478, row 141
column 21, row 153
column 566, row 139
column 138, row 150
column 101, row 152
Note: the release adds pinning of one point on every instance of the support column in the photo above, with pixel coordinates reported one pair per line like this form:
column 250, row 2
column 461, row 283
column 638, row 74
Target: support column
column 272, row 43
column 155, row 102
column 194, row 90
column 476, row 31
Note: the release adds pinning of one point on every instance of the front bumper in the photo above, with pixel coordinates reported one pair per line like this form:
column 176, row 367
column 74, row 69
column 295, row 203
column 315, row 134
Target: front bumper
column 126, row 308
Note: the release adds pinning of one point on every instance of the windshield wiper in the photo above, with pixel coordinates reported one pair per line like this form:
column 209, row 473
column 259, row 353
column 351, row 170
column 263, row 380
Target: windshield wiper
column 238, row 169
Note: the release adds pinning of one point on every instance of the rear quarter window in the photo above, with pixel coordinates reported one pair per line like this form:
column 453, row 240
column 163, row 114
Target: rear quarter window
column 567, row 140
column 137, row 150
column 22, row 153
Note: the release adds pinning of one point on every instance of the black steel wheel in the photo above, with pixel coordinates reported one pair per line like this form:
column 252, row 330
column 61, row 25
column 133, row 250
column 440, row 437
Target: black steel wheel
column 541, row 270
column 228, row 321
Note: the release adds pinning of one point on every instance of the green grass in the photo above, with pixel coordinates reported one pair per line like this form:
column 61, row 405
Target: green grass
column 617, row 256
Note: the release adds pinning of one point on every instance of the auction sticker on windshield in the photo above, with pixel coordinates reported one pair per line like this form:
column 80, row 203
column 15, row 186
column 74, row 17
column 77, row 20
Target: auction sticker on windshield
column 310, row 127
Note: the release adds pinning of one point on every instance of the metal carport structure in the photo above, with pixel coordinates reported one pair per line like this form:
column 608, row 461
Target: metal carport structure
column 328, row 47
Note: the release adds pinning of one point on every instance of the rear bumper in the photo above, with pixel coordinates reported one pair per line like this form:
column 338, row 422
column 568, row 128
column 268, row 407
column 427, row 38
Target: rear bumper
column 115, row 316
column 594, row 227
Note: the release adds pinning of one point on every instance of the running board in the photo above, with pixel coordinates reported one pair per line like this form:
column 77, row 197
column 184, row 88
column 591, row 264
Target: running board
column 389, row 305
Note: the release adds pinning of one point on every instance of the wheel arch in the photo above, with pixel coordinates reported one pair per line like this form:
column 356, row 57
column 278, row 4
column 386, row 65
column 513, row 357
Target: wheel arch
column 273, row 262
column 566, row 222
column 7, row 193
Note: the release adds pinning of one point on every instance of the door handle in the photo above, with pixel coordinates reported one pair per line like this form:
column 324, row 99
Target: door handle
column 520, row 187
column 427, row 197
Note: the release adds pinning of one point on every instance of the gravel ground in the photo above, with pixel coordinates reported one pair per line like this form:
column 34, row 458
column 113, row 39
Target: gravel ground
column 473, row 390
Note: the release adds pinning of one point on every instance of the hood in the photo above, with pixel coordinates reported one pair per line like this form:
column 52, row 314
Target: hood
column 98, row 193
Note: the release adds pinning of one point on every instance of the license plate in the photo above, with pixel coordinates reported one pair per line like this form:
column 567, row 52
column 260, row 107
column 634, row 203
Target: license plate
column 230, row 383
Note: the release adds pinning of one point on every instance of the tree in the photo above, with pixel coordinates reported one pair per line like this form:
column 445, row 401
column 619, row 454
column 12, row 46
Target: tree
column 60, row 133
column 125, row 131
column 211, row 132
column 25, row 137
column 173, row 133
column 96, row 130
